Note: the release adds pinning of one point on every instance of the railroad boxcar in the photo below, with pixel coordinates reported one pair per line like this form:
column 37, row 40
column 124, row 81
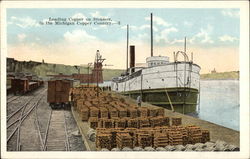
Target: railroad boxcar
column 58, row 95
column 33, row 86
column 19, row 85
column 8, row 85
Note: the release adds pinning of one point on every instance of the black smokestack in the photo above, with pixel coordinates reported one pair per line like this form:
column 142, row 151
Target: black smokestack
column 132, row 56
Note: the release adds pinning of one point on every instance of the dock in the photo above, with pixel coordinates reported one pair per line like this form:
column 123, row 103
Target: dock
column 217, row 132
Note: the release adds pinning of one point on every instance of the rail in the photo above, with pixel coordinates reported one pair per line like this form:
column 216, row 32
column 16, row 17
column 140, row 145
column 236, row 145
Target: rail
column 46, row 132
column 23, row 117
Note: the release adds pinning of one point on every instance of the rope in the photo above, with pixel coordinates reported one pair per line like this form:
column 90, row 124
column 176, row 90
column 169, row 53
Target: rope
column 169, row 100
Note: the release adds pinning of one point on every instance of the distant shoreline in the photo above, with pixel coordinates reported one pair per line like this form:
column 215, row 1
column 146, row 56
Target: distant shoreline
column 232, row 75
column 204, row 79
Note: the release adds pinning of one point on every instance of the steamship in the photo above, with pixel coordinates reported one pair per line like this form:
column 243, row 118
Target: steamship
column 173, row 85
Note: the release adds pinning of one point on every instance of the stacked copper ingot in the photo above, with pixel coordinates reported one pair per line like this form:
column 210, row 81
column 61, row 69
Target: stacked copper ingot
column 132, row 113
column 150, row 137
column 120, row 123
column 161, row 112
column 79, row 104
column 184, row 133
column 107, row 123
column 144, row 140
column 175, row 138
column 205, row 136
column 194, row 134
column 114, row 132
column 93, row 122
column 103, row 140
column 143, row 112
column 113, row 113
column 156, row 121
column 161, row 140
column 84, row 114
column 176, row 121
column 143, row 122
column 122, row 112
column 132, row 132
column 133, row 123
column 153, row 112
column 124, row 140
column 104, row 112
column 165, row 121
column 143, row 126
column 94, row 112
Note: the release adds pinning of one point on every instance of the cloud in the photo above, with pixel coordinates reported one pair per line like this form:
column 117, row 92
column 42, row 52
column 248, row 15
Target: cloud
column 78, row 36
column 226, row 38
column 164, row 34
column 21, row 36
column 24, row 22
column 177, row 41
column 203, row 36
column 186, row 23
column 79, row 15
column 159, row 21
column 97, row 14
column 231, row 13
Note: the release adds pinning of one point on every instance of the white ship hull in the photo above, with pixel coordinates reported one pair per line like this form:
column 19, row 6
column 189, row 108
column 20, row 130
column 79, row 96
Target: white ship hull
column 178, row 80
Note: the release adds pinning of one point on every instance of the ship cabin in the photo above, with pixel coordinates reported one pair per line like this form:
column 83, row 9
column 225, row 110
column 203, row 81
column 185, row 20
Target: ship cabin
column 150, row 62
column 157, row 61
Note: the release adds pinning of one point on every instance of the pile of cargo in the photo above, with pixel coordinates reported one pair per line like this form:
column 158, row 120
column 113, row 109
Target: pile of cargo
column 149, row 137
column 120, row 124
column 107, row 106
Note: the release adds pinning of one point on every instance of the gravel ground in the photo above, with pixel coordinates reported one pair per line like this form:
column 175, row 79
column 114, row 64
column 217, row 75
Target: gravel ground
column 75, row 139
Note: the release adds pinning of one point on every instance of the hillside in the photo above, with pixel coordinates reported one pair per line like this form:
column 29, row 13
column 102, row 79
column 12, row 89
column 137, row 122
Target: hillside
column 221, row 75
column 44, row 69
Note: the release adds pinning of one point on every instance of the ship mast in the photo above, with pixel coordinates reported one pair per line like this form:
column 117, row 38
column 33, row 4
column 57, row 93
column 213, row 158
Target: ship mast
column 185, row 45
column 151, row 35
column 127, row 47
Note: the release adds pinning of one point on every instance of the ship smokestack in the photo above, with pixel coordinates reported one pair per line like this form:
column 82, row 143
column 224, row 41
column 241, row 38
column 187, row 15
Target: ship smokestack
column 132, row 57
column 151, row 34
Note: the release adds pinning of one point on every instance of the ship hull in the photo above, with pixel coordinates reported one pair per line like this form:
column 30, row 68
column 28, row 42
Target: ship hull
column 176, row 82
column 183, row 100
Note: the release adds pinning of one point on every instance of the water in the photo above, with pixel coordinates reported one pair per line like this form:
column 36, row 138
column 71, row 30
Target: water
column 220, row 102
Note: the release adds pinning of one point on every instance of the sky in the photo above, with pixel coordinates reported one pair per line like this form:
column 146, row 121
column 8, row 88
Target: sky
column 37, row 34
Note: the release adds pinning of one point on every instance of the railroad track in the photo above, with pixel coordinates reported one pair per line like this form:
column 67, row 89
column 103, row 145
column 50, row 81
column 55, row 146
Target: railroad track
column 13, row 108
column 12, row 98
column 25, row 132
column 56, row 137
column 16, row 119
